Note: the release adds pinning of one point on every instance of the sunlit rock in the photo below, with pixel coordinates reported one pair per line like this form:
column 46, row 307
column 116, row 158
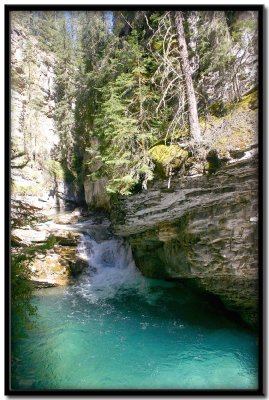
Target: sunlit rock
column 204, row 228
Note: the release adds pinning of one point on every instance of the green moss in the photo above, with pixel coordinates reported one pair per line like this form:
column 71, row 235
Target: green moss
column 219, row 109
column 240, row 138
column 248, row 102
column 166, row 157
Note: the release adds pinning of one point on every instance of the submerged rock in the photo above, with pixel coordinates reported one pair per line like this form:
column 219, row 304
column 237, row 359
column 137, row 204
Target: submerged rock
column 202, row 228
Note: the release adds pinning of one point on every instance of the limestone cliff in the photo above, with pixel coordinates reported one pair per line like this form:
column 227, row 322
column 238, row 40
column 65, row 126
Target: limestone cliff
column 203, row 228
column 34, row 136
column 95, row 192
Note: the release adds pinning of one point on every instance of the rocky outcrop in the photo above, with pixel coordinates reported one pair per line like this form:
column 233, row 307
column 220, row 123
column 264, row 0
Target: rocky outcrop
column 33, row 128
column 203, row 228
column 40, row 234
column 57, row 267
column 228, row 84
column 53, row 246
column 35, row 138
column 96, row 195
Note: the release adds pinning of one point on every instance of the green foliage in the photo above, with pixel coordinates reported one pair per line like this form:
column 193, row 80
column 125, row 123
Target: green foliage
column 124, row 124
column 60, row 170
column 242, row 26
column 22, row 310
column 124, row 85
column 219, row 109
column 21, row 293
column 55, row 169
column 214, row 43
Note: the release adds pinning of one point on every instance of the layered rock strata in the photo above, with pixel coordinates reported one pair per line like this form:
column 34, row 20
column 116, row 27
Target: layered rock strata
column 57, row 264
column 203, row 228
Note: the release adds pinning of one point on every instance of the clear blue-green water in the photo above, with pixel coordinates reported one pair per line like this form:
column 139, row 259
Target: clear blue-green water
column 131, row 333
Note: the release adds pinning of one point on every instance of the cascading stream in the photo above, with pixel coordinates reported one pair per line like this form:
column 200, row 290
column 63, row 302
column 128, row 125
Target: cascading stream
column 116, row 329
column 111, row 269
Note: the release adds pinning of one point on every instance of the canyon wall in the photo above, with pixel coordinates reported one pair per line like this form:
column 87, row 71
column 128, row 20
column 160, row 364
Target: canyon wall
column 37, row 176
column 203, row 228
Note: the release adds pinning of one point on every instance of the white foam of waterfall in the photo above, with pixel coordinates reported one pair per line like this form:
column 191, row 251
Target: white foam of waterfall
column 111, row 269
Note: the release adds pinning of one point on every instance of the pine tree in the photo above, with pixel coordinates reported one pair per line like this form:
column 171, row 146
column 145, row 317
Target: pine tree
column 126, row 119
column 129, row 79
column 65, row 88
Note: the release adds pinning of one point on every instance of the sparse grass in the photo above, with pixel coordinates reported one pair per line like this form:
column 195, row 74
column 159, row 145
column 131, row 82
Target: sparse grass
column 235, row 131
column 240, row 137
column 248, row 102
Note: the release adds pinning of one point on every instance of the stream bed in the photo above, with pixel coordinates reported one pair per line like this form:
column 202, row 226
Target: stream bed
column 115, row 329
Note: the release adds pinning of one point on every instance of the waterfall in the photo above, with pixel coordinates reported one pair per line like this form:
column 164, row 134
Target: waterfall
column 111, row 268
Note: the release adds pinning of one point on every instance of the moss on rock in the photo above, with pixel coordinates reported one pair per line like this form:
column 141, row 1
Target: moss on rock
column 248, row 102
column 167, row 158
column 240, row 138
column 219, row 109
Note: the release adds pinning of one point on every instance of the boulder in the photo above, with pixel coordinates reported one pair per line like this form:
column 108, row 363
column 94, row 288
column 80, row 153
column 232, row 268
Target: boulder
column 67, row 218
column 66, row 237
column 168, row 158
column 28, row 236
column 57, row 267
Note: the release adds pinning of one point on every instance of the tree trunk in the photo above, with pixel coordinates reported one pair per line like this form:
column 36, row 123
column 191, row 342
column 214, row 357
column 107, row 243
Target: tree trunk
column 195, row 131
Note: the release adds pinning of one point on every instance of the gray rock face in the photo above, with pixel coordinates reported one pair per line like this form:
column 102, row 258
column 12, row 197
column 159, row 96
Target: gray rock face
column 32, row 100
column 95, row 193
column 34, row 134
column 217, row 85
column 202, row 228
column 95, row 187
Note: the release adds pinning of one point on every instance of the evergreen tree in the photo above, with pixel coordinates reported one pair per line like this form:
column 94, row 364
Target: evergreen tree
column 65, row 91
column 124, row 124
column 129, row 79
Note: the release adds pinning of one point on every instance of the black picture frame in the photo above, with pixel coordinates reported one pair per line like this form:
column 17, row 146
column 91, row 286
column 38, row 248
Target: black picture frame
column 262, row 281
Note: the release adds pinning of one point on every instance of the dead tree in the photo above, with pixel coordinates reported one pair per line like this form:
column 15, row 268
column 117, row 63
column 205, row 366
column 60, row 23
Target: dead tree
column 195, row 131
